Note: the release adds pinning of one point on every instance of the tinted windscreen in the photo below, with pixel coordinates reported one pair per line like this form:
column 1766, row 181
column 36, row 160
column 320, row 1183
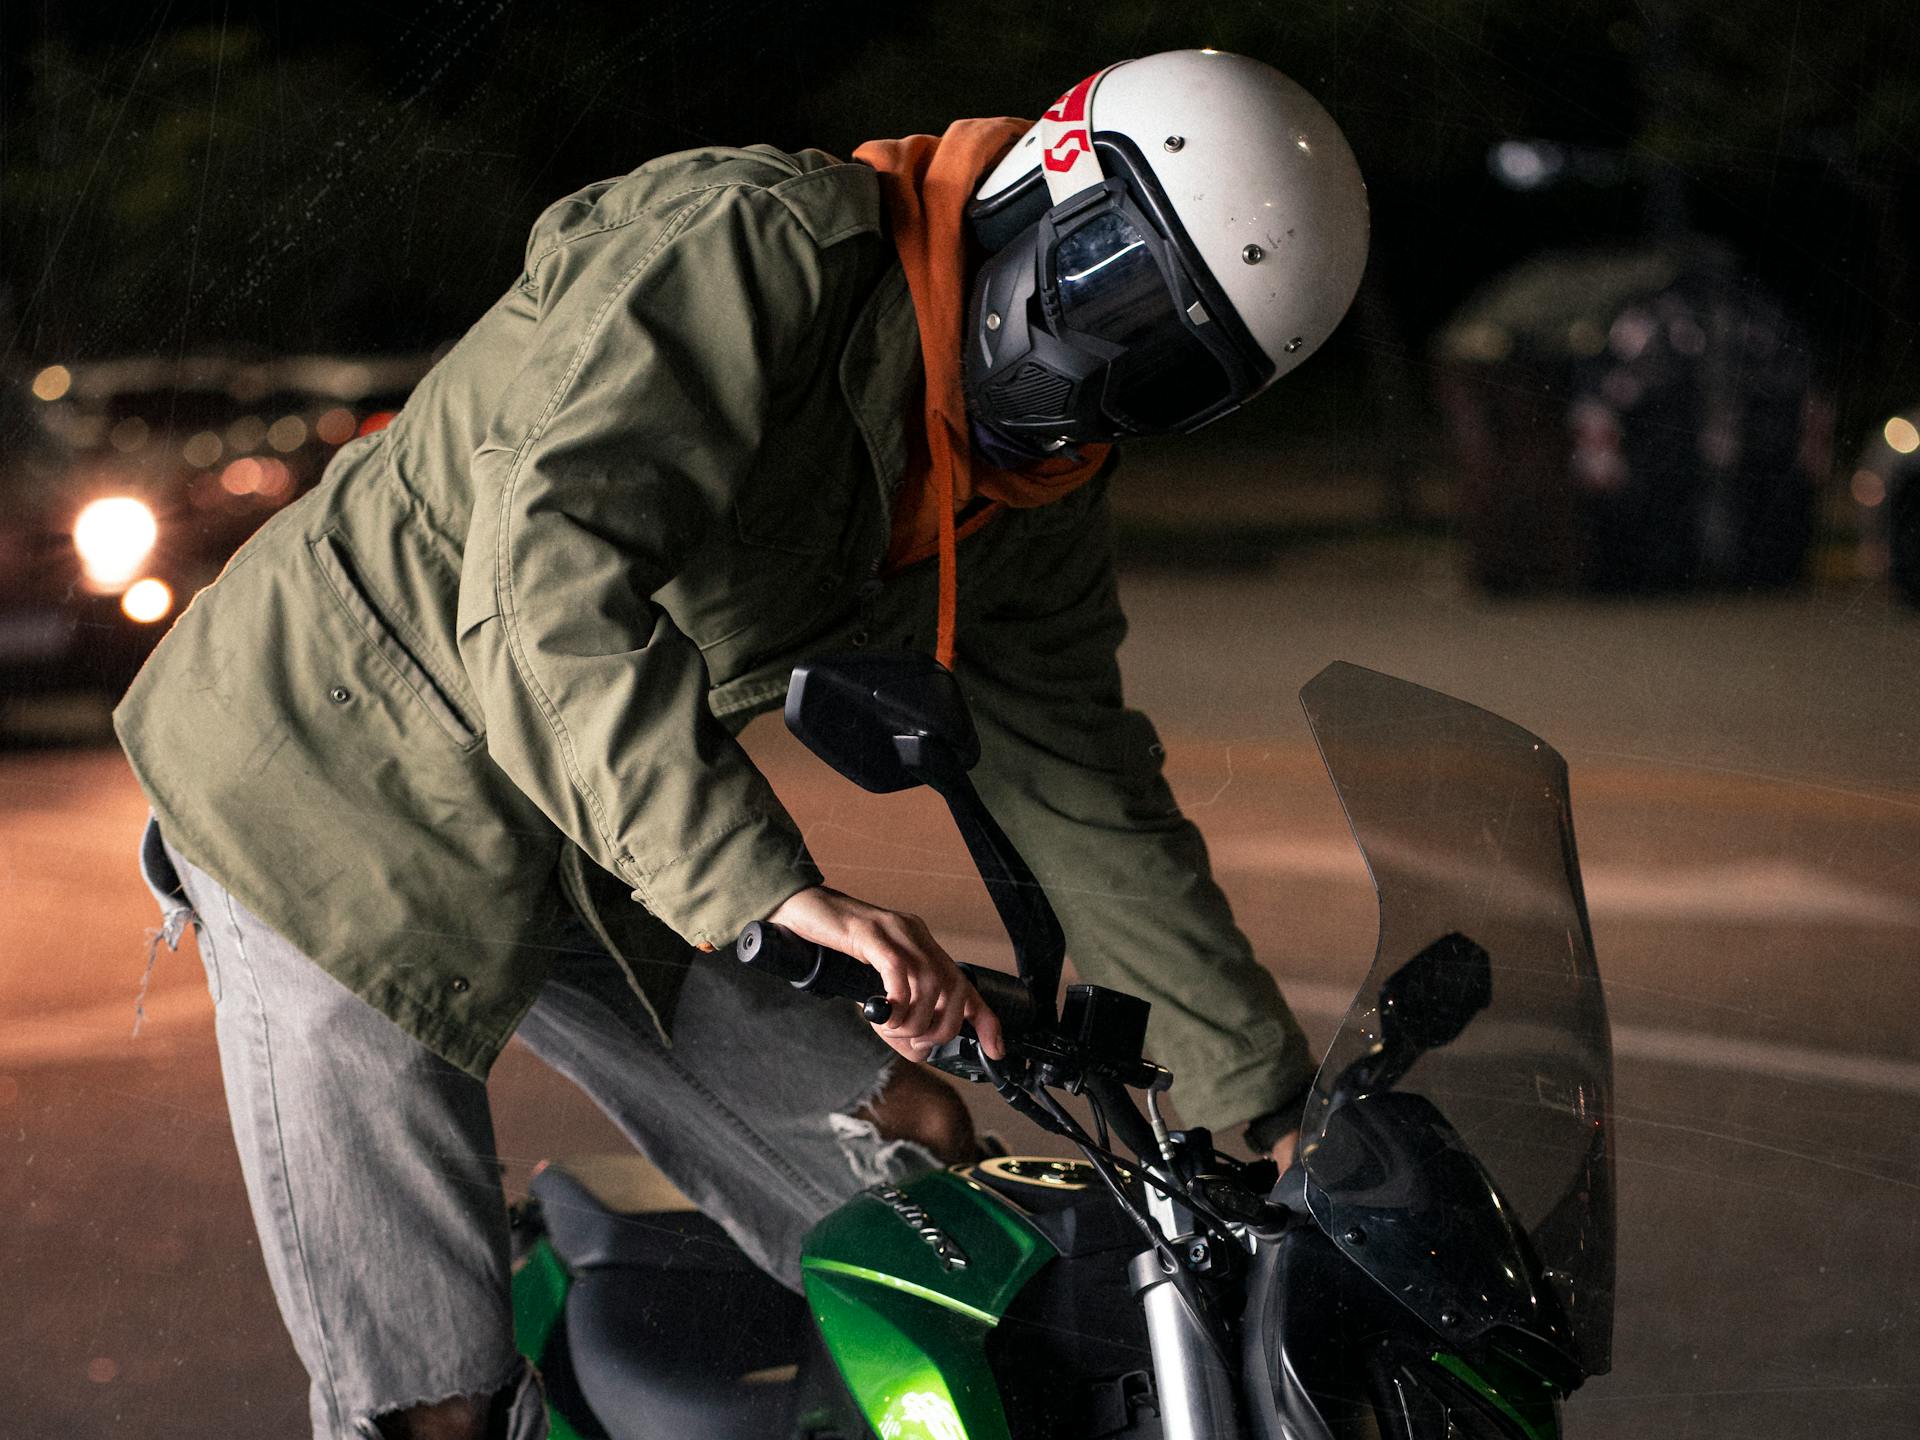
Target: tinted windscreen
column 1462, row 1111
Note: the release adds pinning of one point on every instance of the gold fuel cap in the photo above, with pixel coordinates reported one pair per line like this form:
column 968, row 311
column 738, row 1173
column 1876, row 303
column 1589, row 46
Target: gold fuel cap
column 1042, row 1170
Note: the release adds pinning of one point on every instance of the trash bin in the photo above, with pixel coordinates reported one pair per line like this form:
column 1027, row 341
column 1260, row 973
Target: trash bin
column 1634, row 421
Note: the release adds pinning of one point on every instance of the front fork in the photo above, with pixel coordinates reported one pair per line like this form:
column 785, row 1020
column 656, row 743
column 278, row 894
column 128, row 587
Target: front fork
column 1199, row 1393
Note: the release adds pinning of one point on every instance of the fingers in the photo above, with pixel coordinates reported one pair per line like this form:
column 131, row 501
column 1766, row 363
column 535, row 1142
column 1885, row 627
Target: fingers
column 986, row 1026
column 925, row 984
column 930, row 995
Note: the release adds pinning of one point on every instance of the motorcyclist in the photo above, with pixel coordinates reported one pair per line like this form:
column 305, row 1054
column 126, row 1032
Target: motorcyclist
column 440, row 724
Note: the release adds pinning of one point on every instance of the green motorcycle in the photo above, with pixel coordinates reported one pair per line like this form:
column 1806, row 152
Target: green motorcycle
column 1437, row 1264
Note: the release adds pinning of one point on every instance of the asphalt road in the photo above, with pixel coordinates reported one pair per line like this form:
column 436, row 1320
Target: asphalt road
column 1747, row 792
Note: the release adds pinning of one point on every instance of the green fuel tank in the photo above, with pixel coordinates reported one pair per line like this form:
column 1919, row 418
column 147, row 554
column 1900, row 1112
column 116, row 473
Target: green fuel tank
column 906, row 1283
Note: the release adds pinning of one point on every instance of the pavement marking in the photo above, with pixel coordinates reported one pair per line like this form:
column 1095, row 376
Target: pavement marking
column 1753, row 891
column 104, row 1031
column 1690, row 1048
column 1749, row 890
column 1599, row 776
column 182, row 1014
column 1693, row 1049
column 1758, row 1057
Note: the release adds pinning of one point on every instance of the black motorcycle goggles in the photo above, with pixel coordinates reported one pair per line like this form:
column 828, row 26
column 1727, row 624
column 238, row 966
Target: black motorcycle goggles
column 1121, row 280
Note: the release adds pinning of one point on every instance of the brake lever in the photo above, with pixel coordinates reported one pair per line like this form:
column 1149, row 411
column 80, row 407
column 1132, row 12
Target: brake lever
column 962, row 1058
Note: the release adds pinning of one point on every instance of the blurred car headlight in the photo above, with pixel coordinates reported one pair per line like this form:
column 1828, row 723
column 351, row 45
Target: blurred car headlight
column 114, row 538
column 147, row 601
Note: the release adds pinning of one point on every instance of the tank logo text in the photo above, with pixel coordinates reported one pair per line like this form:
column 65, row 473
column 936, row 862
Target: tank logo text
column 952, row 1257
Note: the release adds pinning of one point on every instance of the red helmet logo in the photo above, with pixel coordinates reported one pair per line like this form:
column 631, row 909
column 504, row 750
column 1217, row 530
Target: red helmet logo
column 1060, row 155
column 1073, row 104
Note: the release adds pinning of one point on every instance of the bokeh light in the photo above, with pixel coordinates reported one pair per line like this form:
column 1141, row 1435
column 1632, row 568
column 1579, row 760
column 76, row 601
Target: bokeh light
column 275, row 481
column 129, row 434
column 147, row 600
column 53, row 382
column 246, row 433
column 289, row 432
column 1867, row 489
column 114, row 537
column 202, row 449
column 335, row 427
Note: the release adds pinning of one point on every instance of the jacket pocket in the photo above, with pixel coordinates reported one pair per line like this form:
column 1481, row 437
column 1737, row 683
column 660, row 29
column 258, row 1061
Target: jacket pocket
column 803, row 504
column 336, row 565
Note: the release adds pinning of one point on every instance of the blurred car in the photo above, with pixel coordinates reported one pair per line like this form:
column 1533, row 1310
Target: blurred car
column 1633, row 420
column 1886, row 488
column 128, row 483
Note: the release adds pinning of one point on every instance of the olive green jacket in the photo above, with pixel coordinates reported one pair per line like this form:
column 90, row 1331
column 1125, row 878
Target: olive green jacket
column 496, row 661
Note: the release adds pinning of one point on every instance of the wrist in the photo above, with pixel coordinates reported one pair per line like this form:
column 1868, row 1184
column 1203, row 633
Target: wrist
column 1264, row 1130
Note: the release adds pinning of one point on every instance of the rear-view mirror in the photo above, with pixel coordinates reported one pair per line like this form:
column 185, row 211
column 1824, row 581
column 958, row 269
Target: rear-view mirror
column 1428, row 1001
column 881, row 719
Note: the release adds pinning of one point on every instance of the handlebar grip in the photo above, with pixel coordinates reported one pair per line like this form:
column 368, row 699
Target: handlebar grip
column 814, row 968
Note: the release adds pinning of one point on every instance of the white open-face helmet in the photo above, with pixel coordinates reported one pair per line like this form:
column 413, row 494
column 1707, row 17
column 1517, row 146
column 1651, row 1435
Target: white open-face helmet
column 1175, row 234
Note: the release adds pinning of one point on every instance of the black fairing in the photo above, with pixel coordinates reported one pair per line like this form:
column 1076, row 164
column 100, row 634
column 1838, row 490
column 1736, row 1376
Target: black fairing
column 1310, row 1316
column 1328, row 1355
column 1070, row 1354
column 1399, row 1193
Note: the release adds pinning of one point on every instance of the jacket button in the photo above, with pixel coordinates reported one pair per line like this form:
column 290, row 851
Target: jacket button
column 460, row 984
column 339, row 694
column 861, row 637
column 826, row 585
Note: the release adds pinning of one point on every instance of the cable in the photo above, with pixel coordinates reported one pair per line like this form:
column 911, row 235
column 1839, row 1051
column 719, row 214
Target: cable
column 1220, row 1228
column 1161, row 1136
column 1103, row 1166
column 1104, row 1161
column 1185, row 1284
column 1040, row 1106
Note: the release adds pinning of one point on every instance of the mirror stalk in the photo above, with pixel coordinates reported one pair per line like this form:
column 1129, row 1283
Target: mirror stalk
column 1039, row 946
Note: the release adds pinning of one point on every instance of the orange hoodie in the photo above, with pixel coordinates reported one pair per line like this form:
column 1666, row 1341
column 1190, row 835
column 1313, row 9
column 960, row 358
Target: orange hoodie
column 927, row 183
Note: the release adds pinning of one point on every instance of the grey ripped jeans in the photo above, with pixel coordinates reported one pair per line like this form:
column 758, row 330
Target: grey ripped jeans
column 371, row 1167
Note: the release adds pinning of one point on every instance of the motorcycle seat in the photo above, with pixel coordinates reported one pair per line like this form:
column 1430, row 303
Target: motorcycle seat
column 595, row 1226
column 671, row 1331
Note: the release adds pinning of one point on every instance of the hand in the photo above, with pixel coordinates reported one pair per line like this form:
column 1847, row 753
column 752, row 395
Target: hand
column 931, row 998
column 1283, row 1149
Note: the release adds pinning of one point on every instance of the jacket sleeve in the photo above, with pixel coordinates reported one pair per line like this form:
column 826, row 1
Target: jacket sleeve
column 1074, row 776
column 657, row 356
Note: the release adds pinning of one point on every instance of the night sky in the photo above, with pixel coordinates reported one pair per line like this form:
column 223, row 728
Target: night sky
column 360, row 177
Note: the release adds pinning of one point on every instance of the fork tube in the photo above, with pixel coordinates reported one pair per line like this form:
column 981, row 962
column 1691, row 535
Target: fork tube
column 1197, row 1394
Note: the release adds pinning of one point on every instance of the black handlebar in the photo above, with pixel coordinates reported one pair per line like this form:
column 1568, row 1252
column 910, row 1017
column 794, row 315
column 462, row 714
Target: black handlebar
column 814, row 968
column 820, row 971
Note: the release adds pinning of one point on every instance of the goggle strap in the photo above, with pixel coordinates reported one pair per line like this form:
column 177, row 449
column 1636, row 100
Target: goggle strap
column 1067, row 161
